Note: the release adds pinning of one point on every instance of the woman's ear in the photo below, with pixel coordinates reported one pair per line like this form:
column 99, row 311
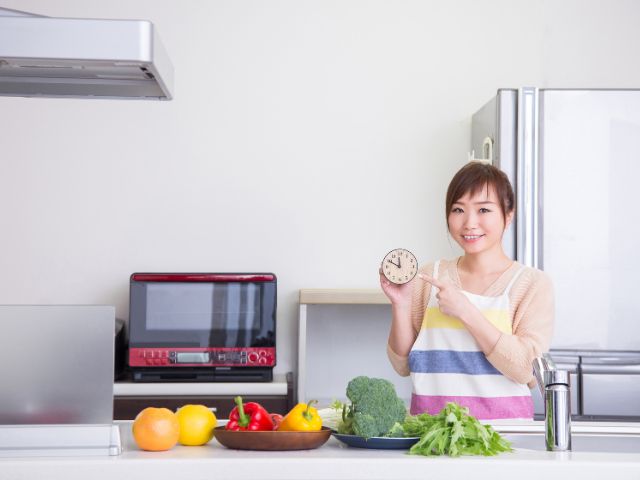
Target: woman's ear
column 509, row 219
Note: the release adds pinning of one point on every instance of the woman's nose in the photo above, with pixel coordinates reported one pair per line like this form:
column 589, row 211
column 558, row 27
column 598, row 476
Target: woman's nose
column 470, row 220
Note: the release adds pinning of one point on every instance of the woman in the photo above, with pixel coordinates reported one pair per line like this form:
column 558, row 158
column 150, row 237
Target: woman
column 468, row 329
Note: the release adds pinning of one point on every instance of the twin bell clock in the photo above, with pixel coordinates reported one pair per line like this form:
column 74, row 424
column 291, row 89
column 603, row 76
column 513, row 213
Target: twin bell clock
column 399, row 266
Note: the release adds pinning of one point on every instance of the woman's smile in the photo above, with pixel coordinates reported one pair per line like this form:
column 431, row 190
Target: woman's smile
column 472, row 238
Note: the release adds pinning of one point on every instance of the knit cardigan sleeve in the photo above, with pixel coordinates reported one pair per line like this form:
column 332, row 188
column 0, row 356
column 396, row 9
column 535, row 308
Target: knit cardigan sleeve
column 532, row 304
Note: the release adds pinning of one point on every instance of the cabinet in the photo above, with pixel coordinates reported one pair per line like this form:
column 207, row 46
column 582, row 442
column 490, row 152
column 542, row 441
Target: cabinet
column 130, row 398
column 342, row 333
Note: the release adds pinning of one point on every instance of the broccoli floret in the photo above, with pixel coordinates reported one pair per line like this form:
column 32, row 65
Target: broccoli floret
column 397, row 431
column 375, row 407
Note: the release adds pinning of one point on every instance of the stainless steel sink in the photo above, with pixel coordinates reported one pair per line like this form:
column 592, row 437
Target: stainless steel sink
column 610, row 443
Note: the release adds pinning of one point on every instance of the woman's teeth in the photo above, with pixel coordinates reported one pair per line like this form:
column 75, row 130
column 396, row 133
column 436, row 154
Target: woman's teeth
column 471, row 237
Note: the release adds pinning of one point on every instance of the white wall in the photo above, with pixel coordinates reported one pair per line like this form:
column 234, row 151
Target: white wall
column 306, row 138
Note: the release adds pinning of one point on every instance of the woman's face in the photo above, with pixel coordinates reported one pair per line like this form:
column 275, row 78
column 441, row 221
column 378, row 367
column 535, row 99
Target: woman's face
column 476, row 222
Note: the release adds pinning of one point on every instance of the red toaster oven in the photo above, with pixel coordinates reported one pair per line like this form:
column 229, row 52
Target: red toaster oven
column 202, row 326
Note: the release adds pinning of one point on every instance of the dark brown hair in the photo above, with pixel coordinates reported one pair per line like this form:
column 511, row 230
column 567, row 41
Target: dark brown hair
column 475, row 176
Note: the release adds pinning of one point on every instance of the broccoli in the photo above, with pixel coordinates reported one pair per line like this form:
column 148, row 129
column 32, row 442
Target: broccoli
column 397, row 431
column 374, row 410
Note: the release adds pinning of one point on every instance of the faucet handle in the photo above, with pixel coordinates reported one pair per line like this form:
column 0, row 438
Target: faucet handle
column 541, row 365
column 546, row 372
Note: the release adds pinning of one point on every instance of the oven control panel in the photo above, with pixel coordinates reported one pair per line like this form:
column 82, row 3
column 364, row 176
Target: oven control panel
column 202, row 357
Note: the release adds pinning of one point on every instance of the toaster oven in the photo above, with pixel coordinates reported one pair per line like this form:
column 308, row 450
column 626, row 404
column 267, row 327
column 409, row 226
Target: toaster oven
column 202, row 326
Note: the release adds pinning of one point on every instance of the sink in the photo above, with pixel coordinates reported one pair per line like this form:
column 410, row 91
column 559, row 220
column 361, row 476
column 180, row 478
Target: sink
column 610, row 443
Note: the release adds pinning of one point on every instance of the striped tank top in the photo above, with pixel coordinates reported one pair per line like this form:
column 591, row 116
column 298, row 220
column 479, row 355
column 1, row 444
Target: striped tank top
column 447, row 365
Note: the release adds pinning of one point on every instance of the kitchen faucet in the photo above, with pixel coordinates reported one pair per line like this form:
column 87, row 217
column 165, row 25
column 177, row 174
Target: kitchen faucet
column 554, row 387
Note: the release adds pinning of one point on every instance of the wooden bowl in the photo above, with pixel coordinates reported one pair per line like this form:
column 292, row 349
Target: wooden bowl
column 267, row 440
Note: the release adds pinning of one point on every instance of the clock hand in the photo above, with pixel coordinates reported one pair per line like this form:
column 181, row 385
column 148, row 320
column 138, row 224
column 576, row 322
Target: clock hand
column 393, row 263
column 399, row 263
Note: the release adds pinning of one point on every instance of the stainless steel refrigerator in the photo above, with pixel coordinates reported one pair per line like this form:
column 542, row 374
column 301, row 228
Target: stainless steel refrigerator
column 573, row 157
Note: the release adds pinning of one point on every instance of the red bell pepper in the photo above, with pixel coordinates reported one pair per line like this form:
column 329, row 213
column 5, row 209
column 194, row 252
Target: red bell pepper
column 277, row 420
column 250, row 416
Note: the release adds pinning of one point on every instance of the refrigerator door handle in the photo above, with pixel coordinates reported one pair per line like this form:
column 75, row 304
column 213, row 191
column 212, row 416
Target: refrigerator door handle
column 528, row 225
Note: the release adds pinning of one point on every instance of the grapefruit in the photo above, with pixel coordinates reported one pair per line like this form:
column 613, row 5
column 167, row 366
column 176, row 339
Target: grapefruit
column 156, row 429
column 196, row 424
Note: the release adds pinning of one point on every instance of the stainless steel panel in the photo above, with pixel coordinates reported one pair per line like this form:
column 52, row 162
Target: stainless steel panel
column 589, row 140
column 611, row 395
column 498, row 121
column 611, row 385
column 483, row 125
column 57, row 364
column 612, row 365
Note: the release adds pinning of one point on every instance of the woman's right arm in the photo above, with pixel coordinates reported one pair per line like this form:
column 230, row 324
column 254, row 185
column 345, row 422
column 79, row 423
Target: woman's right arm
column 407, row 307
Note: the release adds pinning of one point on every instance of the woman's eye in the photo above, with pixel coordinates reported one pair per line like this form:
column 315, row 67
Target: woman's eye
column 484, row 210
column 456, row 210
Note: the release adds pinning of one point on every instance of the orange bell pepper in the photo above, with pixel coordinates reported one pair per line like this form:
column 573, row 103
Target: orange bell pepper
column 302, row 418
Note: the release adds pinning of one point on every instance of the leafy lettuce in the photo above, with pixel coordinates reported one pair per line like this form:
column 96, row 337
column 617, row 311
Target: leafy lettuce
column 453, row 432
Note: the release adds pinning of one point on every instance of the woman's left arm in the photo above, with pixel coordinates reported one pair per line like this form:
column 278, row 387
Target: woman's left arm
column 512, row 355
column 534, row 303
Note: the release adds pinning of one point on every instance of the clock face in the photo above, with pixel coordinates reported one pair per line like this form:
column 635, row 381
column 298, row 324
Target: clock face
column 399, row 266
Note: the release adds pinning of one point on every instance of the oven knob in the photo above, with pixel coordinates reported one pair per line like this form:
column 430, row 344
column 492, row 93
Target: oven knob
column 253, row 357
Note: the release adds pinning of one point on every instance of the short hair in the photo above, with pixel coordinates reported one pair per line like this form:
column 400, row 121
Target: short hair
column 475, row 176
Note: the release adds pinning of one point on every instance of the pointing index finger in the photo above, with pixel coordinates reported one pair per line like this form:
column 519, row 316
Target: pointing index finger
column 431, row 280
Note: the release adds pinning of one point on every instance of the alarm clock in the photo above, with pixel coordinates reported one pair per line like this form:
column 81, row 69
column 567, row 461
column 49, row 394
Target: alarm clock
column 399, row 266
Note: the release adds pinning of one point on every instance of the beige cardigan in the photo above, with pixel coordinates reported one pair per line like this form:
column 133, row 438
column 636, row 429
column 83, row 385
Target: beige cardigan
column 532, row 309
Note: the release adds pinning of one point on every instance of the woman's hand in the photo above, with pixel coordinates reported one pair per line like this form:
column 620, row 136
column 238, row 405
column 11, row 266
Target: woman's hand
column 399, row 295
column 451, row 300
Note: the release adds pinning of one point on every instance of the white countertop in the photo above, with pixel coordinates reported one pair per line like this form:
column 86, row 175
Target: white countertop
column 128, row 388
column 331, row 461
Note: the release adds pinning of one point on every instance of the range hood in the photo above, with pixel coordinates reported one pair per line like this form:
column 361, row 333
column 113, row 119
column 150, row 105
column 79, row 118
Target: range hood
column 81, row 58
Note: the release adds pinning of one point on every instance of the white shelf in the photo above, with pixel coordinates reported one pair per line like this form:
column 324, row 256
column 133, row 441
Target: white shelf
column 342, row 333
column 133, row 389
column 342, row 296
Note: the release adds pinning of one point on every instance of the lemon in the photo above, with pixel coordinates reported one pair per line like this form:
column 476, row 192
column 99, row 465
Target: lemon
column 196, row 424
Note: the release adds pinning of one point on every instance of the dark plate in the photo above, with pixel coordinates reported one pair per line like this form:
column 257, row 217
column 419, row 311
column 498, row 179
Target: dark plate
column 383, row 443
column 272, row 440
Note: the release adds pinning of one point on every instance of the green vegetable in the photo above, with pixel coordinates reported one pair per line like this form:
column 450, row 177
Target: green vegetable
column 453, row 432
column 397, row 431
column 375, row 408
column 331, row 415
column 417, row 425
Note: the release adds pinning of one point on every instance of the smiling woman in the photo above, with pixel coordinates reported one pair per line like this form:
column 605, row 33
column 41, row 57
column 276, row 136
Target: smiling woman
column 468, row 329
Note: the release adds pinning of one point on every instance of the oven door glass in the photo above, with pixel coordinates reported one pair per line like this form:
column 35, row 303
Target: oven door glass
column 207, row 314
